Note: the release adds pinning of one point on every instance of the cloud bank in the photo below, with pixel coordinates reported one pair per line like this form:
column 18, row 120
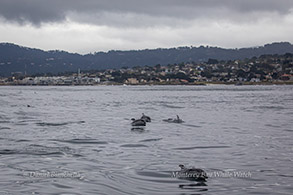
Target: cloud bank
column 91, row 25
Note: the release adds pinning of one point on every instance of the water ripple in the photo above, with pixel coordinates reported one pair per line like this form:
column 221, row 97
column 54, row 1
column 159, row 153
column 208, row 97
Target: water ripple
column 59, row 124
column 40, row 150
column 200, row 147
column 133, row 145
column 151, row 140
column 81, row 141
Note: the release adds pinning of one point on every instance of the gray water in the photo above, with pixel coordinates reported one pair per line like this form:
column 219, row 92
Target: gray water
column 84, row 134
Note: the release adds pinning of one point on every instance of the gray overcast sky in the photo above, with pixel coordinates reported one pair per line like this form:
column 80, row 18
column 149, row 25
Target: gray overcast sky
column 85, row 26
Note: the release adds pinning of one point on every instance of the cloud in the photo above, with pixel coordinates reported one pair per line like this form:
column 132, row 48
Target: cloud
column 136, row 13
column 84, row 38
column 100, row 25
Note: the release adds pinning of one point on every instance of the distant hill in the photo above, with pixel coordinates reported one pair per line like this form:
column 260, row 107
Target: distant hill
column 14, row 58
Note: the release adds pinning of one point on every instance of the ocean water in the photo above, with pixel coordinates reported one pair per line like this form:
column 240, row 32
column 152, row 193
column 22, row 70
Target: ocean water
column 78, row 140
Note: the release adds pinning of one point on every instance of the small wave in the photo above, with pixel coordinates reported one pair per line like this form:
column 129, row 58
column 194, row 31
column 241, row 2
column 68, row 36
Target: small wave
column 190, row 125
column 283, row 175
column 266, row 170
column 52, row 124
column 138, row 129
column 47, row 150
column 200, row 147
column 171, row 106
column 289, row 130
column 39, row 150
column 4, row 121
column 248, row 110
column 154, row 174
column 151, row 140
column 194, row 186
column 81, row 141
column 59, row 124
column 269, row 107
column 62, row 186
column 97, row 150
column 3, row 128
column 133, row 145
column 21, row 124
column 32, row 152
column 7, row 151
column 272, row 125
column 22, row 140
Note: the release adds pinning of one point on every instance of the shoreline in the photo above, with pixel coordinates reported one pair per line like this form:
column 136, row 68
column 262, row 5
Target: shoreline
column 162, row 84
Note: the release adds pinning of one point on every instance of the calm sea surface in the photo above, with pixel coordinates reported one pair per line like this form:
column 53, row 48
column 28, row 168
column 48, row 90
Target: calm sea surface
column 78, row 140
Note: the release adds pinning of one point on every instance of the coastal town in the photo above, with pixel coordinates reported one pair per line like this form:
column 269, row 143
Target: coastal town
column 266, row 69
